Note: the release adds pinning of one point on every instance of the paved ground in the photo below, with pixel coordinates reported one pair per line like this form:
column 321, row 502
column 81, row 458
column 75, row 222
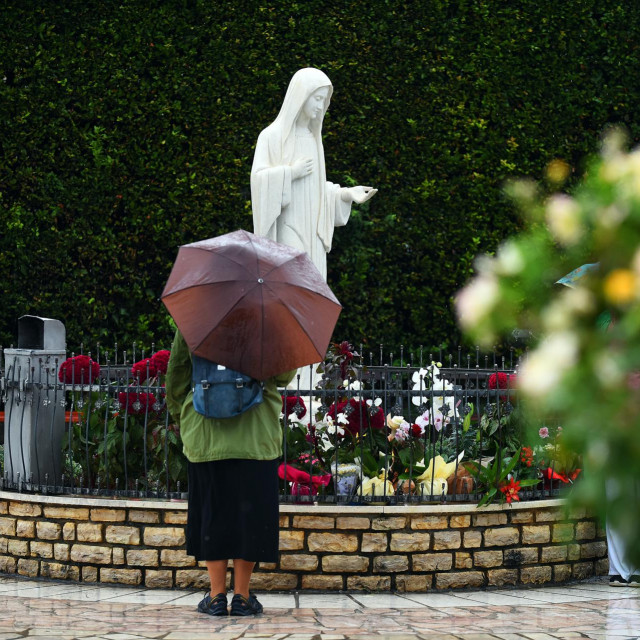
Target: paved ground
column 40, row 609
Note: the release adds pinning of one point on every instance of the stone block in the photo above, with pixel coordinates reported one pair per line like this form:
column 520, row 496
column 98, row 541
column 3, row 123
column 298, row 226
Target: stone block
column 122, row 535
column 89, row 574
column 8, row 564
column 390, row 564
column 291, row 540
column 561, row 572
column 459, row 522
column 585, row 530
column 459, row 579
column 18, row 548
column 352, row 522
column 313, row 522
column 409, row 583
column 118, row 556
column 268, row 566
column 4, row 507
column 26, row 529
column 25, row 509
column 299, row 562
column 143, row 558
column 4, row 544
column 446, row 540
column 345, row 564
column 368, row 583
column 59, row 571
column 593, row 549
column 410, row 542
column 176, row 558
column 175, row 517
column 501, row 537
column 108, row 515
column 333, row 542
column 518, row 557
column 158, row 579
column 521, row 517
column 432, row 561
column 143, row 516
column 550, row 515
column 489, row 519
column 554, row 554
column 41, row 549
column 389, row 523
column 535, row 575
column 487, row 559
column 275, row 581
column 48, row 530
column 573, row 552
column 602, row 567
column 89, row 532
column 429, row 522
column 563, row 532
column 121, row 576
column 500, row 577
column 61, row 552
column 28, row 568
column 66, row 513
column 90, row 554
column 463, row 560
column 193, row 578
column 283, row 521
column 577, row 513
column 332, row 583
column 69, row 531
column 374, row 542
column 472, row 539
column 536, row 534
column 8, row 526
column 583, row 570
column 164, row 536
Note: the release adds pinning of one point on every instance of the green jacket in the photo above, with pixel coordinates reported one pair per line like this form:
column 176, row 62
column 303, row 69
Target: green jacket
column 255, row 434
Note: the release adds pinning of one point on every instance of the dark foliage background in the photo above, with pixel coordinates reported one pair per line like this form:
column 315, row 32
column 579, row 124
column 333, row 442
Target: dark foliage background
column 127, row 128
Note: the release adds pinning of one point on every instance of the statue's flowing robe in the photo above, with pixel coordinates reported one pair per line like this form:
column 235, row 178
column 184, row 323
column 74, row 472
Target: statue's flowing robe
column 299, row 213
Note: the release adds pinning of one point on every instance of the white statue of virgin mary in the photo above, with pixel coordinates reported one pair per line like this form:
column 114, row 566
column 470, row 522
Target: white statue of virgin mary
column 292, row 201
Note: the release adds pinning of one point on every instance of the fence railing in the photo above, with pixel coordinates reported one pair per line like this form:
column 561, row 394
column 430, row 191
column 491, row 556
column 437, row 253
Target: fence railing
column 404, row 432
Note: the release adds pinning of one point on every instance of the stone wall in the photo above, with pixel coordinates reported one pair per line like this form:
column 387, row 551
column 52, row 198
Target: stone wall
column 322, row 547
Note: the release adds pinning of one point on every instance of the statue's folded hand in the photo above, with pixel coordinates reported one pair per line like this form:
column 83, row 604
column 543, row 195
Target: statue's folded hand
column 301, row 168
column 358, row 194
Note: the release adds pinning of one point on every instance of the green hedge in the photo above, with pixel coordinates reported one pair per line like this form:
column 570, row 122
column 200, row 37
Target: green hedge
column 127, row 128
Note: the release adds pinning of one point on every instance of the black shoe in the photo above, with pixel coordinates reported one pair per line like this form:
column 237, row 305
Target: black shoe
column 214, row 606
column 634, row 581
column 618, row 581
column 241, row 606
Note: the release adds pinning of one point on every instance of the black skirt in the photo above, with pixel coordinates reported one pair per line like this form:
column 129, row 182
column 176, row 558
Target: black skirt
column 233, row 510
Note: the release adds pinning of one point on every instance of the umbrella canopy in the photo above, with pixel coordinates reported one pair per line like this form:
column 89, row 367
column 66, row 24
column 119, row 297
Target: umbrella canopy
column 572, row 277
column 251, row 304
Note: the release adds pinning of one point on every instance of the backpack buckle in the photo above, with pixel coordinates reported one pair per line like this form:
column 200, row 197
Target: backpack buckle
column 205, row 384
column 239, row 383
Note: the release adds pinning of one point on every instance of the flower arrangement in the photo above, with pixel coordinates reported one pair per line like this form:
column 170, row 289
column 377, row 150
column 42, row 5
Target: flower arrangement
column 79, row 370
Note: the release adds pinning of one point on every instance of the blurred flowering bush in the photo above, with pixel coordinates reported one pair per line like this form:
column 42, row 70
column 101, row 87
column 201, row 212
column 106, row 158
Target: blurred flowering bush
column 583, row 368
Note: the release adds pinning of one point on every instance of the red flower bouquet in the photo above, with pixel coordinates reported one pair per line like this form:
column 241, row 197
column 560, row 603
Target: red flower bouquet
column 358, row 417
column 290, row 403
column 78, row 370
column 160, row 360
column 135, row 402
column 144, row 369
column 502, row 380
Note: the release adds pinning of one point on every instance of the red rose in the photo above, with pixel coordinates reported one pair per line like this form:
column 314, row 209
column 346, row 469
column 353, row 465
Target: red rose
column 416, row 431
column 128, row 399
column 359, row 416
column 144, row 369
column 501, row 380
column 78, row 370
column 160, row 360
column 289, row 403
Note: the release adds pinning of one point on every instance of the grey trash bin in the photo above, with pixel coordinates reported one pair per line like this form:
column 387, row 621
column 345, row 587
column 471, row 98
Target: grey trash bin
column 34, row 411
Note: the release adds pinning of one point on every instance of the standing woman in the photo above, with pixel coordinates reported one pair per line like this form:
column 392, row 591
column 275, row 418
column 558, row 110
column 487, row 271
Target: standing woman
column 233, row 484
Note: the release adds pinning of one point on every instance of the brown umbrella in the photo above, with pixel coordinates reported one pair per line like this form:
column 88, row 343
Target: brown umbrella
column 251, row 304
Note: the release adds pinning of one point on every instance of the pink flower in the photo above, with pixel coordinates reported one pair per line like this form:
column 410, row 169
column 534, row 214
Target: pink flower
column 544, row 432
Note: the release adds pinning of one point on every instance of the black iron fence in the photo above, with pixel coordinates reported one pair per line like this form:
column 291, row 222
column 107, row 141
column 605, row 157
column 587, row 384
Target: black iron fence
column 418, row 428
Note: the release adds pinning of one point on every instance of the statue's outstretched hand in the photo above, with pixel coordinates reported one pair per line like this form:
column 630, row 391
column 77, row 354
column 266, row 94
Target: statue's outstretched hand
column 359, row 194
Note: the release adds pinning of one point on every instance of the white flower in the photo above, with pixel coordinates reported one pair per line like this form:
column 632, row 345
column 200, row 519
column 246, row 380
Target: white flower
column 421, row 377
column 475, row 301
column 423, row 420
column 342, row 418
column 563, row 218
column 509, row 261
column 377, row 402
column 356, row 385
column 545, row 366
